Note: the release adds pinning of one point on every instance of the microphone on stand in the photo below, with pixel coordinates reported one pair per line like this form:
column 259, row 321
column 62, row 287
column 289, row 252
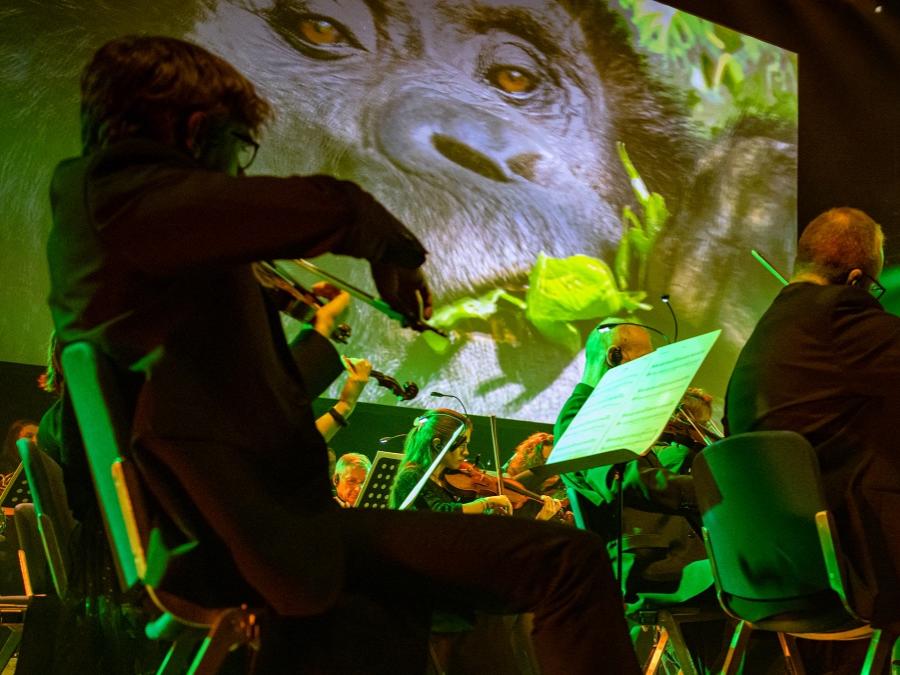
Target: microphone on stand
column 438, row 394
column 387, row 439
column 665, row 301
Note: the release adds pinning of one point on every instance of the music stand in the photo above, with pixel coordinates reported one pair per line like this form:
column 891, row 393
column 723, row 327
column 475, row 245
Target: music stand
column 627, row 411
column 16, row 490
column 629, row 408
column 376, row 490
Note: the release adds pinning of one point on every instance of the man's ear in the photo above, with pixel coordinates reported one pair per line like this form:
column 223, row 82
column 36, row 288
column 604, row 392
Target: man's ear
column 335, row 479
column 195, row 131
column 855, row 277
column 435, row 443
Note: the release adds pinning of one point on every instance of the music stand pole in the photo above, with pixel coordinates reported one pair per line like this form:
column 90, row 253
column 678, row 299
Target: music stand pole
column 618, row 478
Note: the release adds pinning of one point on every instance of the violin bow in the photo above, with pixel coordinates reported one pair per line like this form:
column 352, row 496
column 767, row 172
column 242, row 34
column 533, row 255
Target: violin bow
column 761, row 259
column 496, row 446
column 417, row 323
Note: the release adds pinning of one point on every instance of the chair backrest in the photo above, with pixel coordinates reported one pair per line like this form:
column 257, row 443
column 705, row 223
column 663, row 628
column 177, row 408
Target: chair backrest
column 105, row 423
column 54, row 519
column 32, row 558
column 759, row 494
column 143, row 537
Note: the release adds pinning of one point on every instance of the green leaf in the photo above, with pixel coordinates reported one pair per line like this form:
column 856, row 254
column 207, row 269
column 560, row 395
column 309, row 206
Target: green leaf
column 575, row 288
column 622, row 263
column 438, row 343
column 656, row 215
column 562, row 333
column 637, row 183
column 730, row 41
column 641, row 242
column 482, row 307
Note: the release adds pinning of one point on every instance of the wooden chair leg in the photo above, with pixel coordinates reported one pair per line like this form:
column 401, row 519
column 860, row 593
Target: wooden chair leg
column 662, row 638
column 233, row 628
column 736, row 649
column 791, row 657
column 438, row 649
column 679, row 646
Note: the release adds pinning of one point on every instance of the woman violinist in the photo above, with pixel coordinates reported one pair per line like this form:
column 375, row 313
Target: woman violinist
column 462, row 641
column 424, row 441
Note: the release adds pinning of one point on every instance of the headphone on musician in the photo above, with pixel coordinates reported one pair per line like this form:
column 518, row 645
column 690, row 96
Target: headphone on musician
column 614, row 355
column 441, row 432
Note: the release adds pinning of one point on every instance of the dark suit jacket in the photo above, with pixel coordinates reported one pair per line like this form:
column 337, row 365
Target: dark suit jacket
column 659, row 541
column 825, row 361
column 149, row 258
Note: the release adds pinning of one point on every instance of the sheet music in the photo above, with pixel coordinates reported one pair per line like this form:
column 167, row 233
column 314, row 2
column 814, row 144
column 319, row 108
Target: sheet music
column 631, row 405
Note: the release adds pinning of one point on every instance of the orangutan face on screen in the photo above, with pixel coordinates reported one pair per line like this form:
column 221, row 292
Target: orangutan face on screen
column 489, row 128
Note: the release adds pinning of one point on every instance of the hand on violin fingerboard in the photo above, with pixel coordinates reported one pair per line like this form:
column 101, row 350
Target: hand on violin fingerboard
column 328, row 315
column 550, row 508
column 698, row 404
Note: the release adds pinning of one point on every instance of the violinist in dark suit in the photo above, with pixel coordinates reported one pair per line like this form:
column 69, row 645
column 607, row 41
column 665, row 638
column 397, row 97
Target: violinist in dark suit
column 155, row 229
column 824, row 360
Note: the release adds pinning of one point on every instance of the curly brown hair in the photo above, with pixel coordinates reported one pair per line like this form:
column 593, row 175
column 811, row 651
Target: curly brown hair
column 529, row 453
column 147, row 86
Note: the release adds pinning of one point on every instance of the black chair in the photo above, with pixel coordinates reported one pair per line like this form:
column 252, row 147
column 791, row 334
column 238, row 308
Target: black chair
column 32, row 559
column 12, row 615
column 55, row 522
column 146, row 543
column 775, row 553
column 664, row 621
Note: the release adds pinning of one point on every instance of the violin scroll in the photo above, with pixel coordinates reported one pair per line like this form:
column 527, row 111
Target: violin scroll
column 405, row 392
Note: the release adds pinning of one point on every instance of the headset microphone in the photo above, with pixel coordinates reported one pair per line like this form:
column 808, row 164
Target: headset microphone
column 438, row 394
column 667, row 303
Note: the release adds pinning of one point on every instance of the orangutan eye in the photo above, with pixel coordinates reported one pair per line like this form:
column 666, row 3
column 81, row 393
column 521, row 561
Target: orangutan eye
column 512, row 80
column 518, row 72
column 319, row 31
column 314, row 35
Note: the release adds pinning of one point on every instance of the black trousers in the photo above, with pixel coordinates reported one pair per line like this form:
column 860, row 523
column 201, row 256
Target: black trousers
column 401, row 565
column 306, row 564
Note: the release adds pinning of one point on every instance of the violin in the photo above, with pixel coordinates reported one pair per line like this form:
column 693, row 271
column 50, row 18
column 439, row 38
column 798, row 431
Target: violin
column 303, row 305
column 685, row 428
column 469, row 482
column 405, row 392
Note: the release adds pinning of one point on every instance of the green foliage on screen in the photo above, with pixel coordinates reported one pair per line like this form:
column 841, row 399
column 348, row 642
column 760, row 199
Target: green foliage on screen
column 730, row 75
column 562, row 291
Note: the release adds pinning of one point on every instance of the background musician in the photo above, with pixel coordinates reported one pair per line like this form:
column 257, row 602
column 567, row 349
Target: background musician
column 423, row 442
column 348, row 477
column 9, row 456
column 824, row 361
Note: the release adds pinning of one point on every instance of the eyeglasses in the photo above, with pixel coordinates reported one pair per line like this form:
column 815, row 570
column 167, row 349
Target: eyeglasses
column 247, row 150
column 876, row 290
